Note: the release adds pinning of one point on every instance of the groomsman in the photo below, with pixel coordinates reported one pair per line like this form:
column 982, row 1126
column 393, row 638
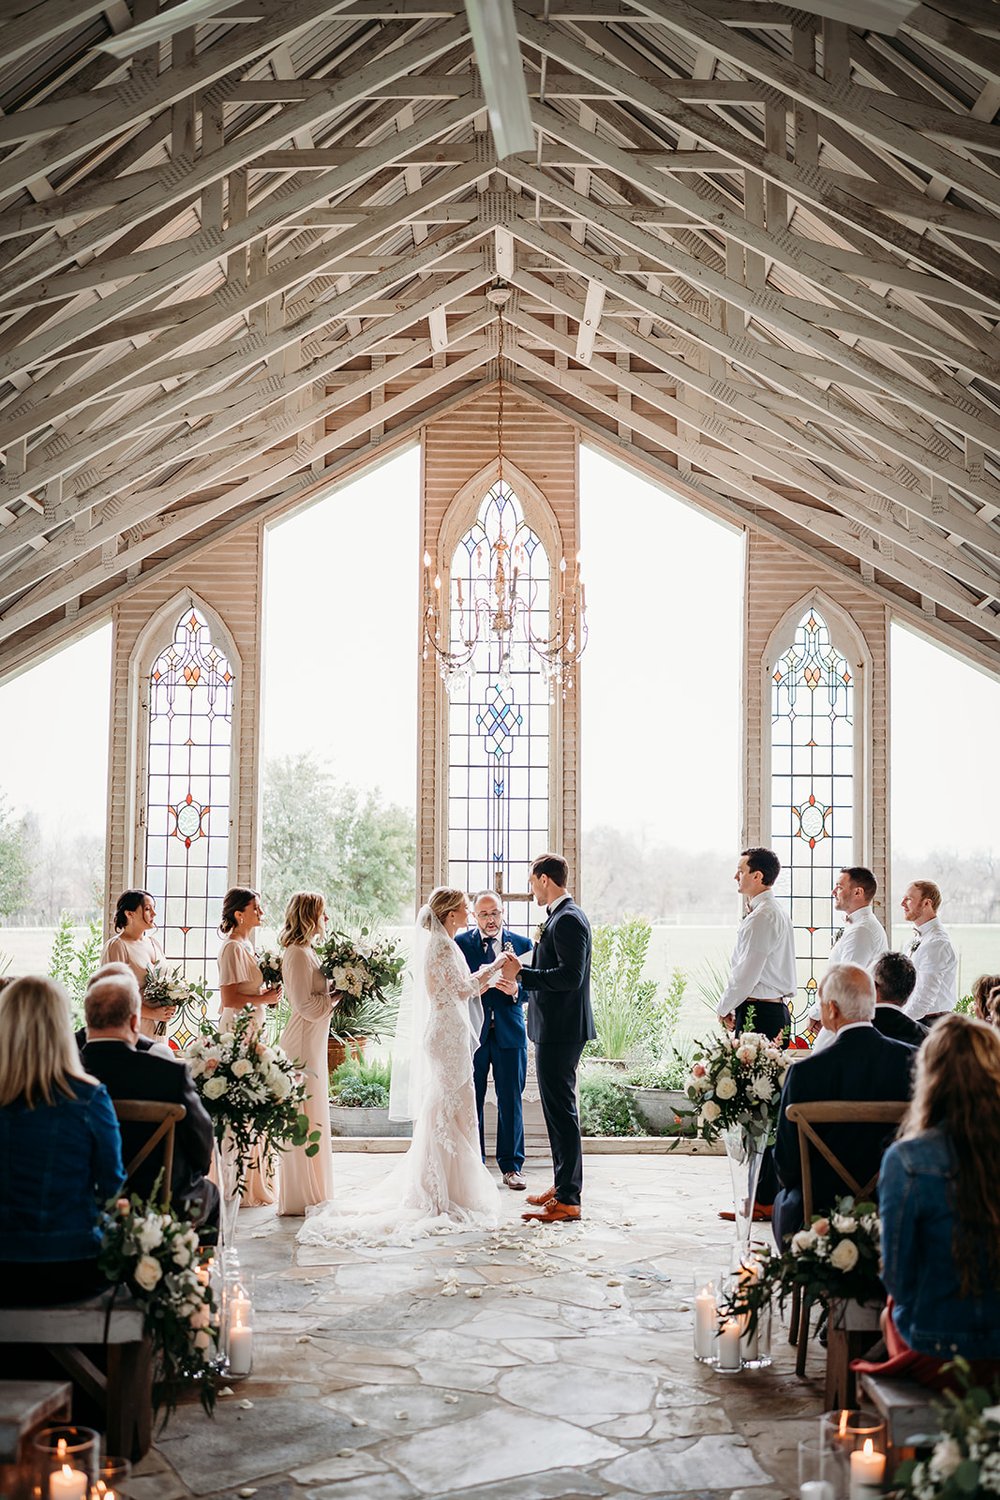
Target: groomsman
column 862, row 938
column 560, row 1022
column 762, row 972
column 931, row 953
column 503, row 1042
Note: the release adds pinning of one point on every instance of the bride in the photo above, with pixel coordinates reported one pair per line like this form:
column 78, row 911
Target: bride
column 441, row 1183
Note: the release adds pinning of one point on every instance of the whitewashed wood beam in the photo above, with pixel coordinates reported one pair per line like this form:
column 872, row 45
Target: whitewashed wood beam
column 33, row 29
column 930, row 546
column 766, row 306
column 821, row 523
column 180, row 179
column 590, row 321
column 837, row 102
column 220, row 308
column 60, row 459
column 793, row 252
column 805, row 182
column 23, row 613
column 925, row 456
column 438, row 323
column 701, row 490
column 503, row 252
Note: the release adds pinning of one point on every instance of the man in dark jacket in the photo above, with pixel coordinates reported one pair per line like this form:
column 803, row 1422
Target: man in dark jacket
column 895, row 979
column 560, row 1022
column 860, row 1064
column 111, row 1007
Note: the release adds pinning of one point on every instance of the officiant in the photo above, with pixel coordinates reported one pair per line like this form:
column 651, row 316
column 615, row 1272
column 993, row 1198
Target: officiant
column 503, row 1041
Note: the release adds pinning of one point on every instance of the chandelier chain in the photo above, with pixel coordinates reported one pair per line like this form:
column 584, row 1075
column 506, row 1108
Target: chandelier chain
column 500, row 394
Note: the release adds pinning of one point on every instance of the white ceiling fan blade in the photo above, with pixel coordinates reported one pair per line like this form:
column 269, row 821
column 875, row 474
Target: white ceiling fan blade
column 162, row 27
column 498, row 57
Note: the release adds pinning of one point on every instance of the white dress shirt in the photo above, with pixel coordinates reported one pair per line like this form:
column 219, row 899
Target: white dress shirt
column 862, row 942
column 763, row 962
column 937, row 972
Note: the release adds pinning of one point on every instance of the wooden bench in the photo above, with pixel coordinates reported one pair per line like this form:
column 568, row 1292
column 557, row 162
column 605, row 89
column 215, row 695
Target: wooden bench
column 26, row 1406
column 125, row 1393
column 907, row 1408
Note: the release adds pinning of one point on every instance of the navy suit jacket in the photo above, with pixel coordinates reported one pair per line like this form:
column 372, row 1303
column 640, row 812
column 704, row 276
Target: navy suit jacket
column 506, row 1012
column 858, row 1065
column 558, row 981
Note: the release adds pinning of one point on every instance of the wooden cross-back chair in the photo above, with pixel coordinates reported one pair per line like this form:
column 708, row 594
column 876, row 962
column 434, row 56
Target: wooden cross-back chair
column 165, row 1118
column 805, row 1117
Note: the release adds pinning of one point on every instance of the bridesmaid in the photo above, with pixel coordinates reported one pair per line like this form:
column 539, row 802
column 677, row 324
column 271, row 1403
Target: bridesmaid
column 241, row 983
column 306, row 1180
column 134, row 945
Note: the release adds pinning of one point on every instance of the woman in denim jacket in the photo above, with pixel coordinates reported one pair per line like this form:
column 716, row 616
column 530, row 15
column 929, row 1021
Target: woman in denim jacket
column 60, row 1151
column 940, row 1207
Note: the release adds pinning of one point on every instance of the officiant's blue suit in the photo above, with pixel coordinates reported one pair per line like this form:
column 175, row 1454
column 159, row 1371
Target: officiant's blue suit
column 503, row 1046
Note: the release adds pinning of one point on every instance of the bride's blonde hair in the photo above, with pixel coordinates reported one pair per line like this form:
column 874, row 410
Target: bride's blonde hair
column 442, row 900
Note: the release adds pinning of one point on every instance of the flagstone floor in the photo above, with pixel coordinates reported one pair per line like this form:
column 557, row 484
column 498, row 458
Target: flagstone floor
column 532, row 1363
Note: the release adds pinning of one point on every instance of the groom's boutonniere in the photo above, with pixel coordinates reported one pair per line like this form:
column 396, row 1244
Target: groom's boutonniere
column 540, row 932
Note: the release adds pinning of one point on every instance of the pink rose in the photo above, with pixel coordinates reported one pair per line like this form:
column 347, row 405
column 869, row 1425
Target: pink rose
column 122, row 1206
column 821, row 1226
column 211, row 1065
column 698, row 1070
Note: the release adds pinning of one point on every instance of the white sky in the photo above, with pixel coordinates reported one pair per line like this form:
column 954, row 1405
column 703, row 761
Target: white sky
column 660, row 676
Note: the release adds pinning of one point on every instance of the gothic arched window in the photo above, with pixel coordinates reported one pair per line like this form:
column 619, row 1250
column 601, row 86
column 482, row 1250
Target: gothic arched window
column 499, row 712
column 185, row 788
column 814, row 825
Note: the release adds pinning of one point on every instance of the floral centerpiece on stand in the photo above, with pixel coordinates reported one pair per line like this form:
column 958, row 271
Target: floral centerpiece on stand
column 735, row 1088
column 835, row 1260
column 167, row 989
column 155, row 1256
column 255, row 1095
column 965, row 1459
column 366, row 972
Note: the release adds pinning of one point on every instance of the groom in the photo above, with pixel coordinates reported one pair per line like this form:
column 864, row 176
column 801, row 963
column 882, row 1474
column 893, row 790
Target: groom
column 560, row 1021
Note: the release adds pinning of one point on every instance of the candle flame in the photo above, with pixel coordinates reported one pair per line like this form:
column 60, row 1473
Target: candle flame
column 869, row 1447
column 67, row 1471
column 427, row 559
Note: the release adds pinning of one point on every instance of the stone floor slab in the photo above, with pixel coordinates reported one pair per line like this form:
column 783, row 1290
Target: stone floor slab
column 476, row 1452
column 713, row 1463
column 578, row 1394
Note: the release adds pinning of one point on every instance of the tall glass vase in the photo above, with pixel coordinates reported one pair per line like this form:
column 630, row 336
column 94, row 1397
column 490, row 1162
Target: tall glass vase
column 227, row 1171
column 745, row 1152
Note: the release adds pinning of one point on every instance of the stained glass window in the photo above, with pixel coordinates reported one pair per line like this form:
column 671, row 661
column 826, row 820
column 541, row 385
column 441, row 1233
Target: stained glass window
column 812, row 786
column 498, row 730
column 187, row 793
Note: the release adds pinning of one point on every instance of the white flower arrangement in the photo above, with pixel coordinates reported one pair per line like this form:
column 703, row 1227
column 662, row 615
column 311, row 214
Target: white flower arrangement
column 965, row 1460
column 155, row 1254
column 736, row 1082
column 366, row 974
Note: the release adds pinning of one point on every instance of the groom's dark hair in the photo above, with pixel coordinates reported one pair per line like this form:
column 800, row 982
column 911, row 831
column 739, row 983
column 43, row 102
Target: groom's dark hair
column 766, row 861
column 552, row 865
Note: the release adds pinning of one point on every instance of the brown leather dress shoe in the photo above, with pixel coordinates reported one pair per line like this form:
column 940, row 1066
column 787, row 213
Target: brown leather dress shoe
column 761, row 1214
column 515, row 1182
column 542, row 1198
column 555, row 1212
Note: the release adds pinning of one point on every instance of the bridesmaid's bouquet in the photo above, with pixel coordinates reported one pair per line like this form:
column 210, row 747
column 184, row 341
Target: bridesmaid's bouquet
column 254, row 1093
column 167, row 989
column 270, row 967
column 366, row 972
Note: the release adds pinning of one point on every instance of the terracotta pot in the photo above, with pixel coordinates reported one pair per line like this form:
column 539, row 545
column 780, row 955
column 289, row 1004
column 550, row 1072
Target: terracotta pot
column 337, row 1052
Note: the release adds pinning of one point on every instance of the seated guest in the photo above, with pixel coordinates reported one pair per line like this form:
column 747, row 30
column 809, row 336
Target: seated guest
column 984, row 998
column 940, row 1211
column 60, row 1151
column 111, row 1054
column 142, row 1043
column 859, row 1064
column 895, row 977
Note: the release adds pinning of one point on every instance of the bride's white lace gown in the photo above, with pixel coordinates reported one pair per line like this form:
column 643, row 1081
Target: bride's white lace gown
column 441, row 1183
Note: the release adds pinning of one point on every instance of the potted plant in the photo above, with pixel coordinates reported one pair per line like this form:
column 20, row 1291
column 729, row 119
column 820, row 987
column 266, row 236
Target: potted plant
column 359, row 1099
column 630, row 1019
column 658, row 1092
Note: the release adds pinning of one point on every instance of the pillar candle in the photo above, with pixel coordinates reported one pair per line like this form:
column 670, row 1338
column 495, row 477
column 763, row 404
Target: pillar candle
column 816, row 1489
column 867, row 1471
column 729, row 1345
column 705, row 1316
column 68, row 1484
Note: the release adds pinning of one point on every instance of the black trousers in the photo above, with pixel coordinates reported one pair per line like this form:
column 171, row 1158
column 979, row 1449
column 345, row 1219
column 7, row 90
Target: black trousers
column 555, row 1068
column 770, row 1019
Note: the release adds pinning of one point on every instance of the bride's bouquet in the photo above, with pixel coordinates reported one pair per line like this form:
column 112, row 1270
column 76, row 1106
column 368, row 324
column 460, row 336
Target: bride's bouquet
column 735, row 1081
column 254, row 1093
column 366, row 972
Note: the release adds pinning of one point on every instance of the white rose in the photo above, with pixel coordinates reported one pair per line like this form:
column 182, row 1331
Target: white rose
column 242, row 1067
column 149, row 1235
column 946, row 1458
column 148, row 1272
column 804, row 1240
column 215, row 1088
column 725, row 1086
column 991, row 1414
column 182, row 1255
column 709, row 1111
column 763, row 1088
column 281, row 1086
column 844, row 1256
column 844, row 1223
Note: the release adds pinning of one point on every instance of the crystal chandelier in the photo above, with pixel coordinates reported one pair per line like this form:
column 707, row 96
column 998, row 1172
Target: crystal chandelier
column 500, row 602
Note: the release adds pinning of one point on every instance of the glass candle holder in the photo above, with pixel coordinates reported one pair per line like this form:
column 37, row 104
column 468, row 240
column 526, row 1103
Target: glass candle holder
column 706, row 1325
column 755, row 1347
column 729, row 1358
column 112, row 1482
column 237, row 1326
column 856, row 1443
column 815, row 1472
column 66, row 1462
